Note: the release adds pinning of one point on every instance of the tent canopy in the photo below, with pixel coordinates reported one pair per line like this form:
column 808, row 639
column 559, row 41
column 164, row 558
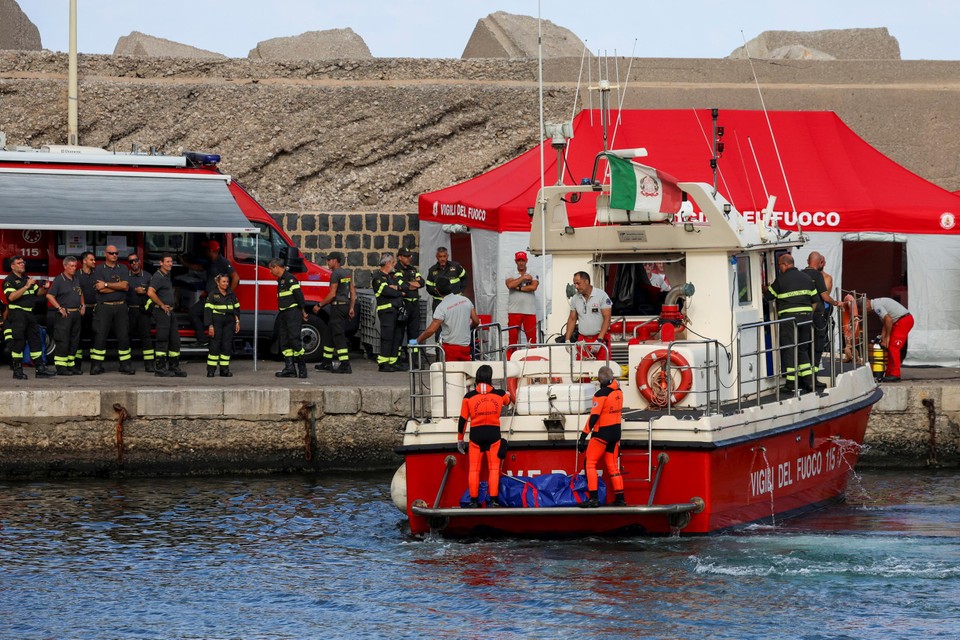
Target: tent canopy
column 836, row 180
column 118, row 201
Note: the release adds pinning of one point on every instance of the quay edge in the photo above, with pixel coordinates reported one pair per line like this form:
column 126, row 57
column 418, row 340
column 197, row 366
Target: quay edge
column 315, row 428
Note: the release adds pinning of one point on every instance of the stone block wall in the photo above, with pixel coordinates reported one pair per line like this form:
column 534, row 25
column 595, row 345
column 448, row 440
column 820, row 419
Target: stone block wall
column 362, row 237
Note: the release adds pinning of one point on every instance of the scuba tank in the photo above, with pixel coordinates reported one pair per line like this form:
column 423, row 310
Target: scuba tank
column 878, row 360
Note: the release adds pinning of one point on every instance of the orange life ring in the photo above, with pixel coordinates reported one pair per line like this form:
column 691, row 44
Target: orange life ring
column 513, row 383
column 657, row 392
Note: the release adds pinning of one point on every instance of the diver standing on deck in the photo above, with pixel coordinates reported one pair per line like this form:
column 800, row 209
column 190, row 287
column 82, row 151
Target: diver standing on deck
column 604, row 443
column 481, row 408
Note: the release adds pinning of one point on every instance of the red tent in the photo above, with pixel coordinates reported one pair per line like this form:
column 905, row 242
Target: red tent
column 837, row 181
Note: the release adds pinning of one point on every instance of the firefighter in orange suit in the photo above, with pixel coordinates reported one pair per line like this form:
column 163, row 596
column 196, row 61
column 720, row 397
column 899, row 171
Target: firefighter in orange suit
column 604, row 424
column 481, row 408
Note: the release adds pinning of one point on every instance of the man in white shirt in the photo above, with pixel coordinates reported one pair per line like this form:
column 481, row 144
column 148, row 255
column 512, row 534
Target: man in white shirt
column 454, row 316
column 897, row 323
column 590, row 310
column 522, row 302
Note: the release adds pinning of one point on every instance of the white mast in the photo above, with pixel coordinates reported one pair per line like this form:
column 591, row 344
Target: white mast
column 72, row 135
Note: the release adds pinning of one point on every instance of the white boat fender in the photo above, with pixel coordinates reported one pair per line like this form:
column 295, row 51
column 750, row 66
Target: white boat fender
column 398, row 488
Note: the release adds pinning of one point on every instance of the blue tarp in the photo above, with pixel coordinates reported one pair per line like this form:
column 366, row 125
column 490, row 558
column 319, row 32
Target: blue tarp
column 547, row 490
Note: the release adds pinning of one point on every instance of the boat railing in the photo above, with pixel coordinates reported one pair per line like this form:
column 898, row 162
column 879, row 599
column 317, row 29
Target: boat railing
column 710, row 368
column 489, row 341
column 421, row 392
column 756, row 352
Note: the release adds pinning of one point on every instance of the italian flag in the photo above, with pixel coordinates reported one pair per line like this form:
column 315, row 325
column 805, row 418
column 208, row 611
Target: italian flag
column 635, row 187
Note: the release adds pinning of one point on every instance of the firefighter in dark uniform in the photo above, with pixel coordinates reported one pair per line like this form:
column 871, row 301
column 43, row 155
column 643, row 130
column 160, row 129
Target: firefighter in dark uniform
column 111, row 315
column 160, row 304
column 445, row 267
column 821, row 311
column 221, row 317
column 341, row 300
column 604, row 430
column 386, row 286
column 290, row 319
column 88, row 262
column 412, row 283
column 65, row 297
column 23, row 294
column 138, row 316
column 795, row 294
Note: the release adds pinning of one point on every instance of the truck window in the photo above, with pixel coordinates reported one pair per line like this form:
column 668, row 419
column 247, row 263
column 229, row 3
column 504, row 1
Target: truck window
column 157, row 244
column 73, row 243
column 270, row 243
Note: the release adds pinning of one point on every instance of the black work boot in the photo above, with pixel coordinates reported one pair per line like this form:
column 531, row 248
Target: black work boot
column 301, row 367
column 64, row 371
column 126, row 368
column 288, row 371
column 593, row 502
column 148, row 366
column 96, row 368
column 326, row 365
column 619, row 500
column 494, row 503
column 17, row 365
column 174, row 365
column 161, row 368
column 41, row 371
column 225, row 372
column 211, row 371
column 344, row 367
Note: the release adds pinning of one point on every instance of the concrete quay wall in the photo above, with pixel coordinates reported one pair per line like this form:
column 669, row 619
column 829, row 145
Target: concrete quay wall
column 173, row 431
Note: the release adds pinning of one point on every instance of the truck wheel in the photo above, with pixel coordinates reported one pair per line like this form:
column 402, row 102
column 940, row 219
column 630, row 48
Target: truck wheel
column 311, row 333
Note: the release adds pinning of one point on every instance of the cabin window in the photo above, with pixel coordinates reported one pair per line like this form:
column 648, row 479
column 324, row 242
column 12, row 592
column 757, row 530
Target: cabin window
column 744, row 284
column 73, row 243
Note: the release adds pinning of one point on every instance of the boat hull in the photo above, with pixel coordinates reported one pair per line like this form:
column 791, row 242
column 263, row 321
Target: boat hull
column 749, row 480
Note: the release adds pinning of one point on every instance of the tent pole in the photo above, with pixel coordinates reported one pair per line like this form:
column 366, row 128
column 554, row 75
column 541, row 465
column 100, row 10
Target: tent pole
column 256, row 296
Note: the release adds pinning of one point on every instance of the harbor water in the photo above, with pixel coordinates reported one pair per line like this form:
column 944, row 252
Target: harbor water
column 326, row 557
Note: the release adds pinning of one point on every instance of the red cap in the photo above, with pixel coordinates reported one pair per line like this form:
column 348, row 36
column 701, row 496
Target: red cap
column 213, row 245
column 520, row 255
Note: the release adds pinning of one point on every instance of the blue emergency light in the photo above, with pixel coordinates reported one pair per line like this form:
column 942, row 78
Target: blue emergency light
column 202, row 159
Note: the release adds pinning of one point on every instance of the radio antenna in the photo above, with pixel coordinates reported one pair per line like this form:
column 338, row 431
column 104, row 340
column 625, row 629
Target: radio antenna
column 773, row 138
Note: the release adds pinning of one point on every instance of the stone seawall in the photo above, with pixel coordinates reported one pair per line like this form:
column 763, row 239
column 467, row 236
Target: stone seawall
column 90, row 432
column 258, row 430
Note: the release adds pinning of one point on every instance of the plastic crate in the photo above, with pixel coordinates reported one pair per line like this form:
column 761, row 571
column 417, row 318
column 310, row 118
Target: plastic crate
column 370, row 322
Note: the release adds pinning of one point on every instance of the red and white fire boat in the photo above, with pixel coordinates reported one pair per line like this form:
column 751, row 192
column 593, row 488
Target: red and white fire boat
column 710, row 440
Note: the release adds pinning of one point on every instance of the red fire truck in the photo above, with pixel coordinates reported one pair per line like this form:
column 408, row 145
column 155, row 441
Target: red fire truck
column 58, row 201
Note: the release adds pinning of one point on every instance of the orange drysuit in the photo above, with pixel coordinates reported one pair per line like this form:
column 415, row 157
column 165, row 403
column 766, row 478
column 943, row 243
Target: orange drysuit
column 481, row 409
